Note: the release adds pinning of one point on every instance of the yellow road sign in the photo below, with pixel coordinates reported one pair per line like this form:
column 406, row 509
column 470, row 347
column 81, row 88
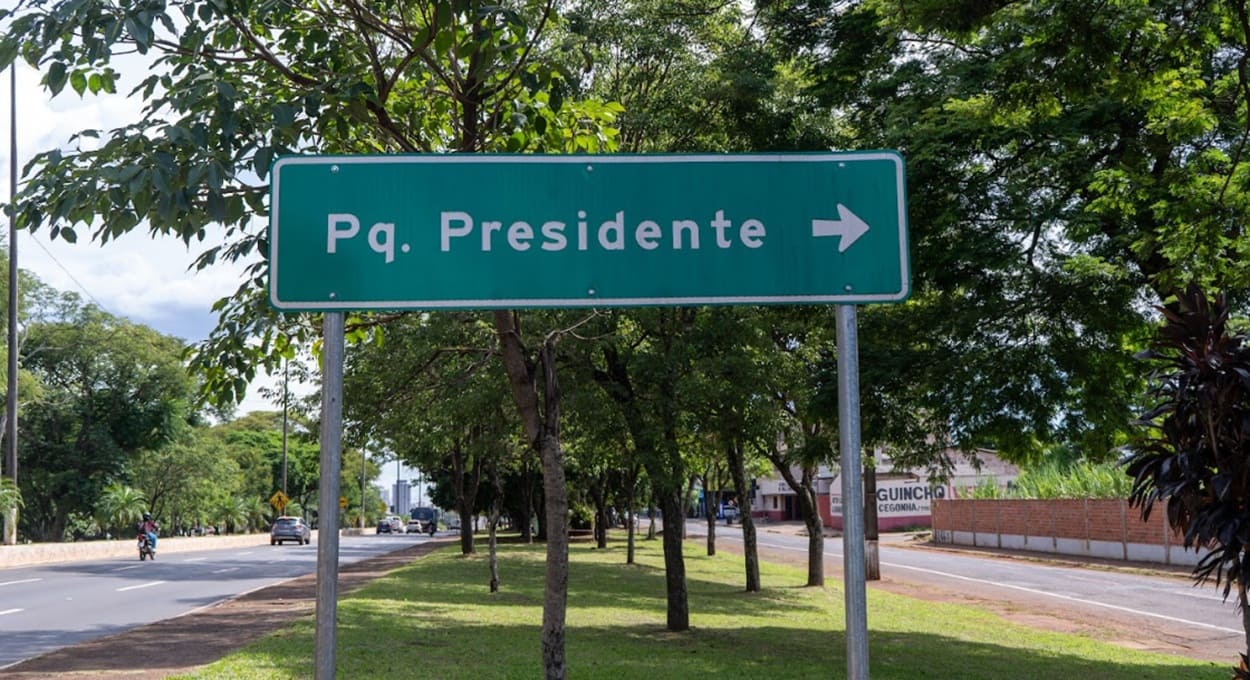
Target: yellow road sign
column 342, row 502
column 279, row 500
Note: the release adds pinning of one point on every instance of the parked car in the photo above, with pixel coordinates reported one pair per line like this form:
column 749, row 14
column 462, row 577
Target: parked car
column 414, row 527
column 289, row 529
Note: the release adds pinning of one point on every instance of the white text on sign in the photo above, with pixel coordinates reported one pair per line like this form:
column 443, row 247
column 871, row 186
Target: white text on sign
column 456, row 231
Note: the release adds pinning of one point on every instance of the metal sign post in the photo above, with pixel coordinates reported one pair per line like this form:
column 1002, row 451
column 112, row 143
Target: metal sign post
column 493, row 231
column 852, row 495
column 328, row 496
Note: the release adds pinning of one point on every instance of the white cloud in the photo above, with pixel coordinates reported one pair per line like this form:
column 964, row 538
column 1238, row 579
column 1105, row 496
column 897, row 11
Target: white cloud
column 144, row 278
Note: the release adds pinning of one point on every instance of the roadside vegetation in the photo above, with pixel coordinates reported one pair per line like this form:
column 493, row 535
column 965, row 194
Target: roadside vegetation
column 1044, row 222
column 434, row 619
column 1081, row 479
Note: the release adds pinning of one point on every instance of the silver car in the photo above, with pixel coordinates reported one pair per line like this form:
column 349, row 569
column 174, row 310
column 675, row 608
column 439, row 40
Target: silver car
column 289, row 529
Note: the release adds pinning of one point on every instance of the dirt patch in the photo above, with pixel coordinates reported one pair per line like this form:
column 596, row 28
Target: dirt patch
column 184, row 643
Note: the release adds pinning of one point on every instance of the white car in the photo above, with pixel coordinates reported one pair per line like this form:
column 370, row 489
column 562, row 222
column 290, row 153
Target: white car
column 414, row 527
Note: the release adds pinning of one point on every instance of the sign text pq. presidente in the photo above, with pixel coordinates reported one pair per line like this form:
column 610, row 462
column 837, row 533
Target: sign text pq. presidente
column 492, row 231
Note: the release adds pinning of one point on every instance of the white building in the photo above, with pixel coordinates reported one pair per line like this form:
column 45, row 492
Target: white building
column 903, row 496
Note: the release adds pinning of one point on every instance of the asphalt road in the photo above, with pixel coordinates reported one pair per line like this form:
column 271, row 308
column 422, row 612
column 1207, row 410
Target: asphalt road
column 1198, row 613
column 47, row 607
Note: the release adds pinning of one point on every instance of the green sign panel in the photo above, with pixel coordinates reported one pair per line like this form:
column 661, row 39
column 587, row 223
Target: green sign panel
column 496, row 231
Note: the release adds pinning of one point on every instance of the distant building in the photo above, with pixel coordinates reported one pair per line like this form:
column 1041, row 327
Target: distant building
column 386, row 495
column 403, row 497
column 904, row 497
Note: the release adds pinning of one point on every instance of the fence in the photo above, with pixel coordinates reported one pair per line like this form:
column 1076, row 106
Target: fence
column 1107, row 529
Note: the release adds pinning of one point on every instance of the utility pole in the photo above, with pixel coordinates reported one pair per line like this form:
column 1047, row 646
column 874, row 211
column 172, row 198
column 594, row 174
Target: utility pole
column 10, row 517
column 285, row 378
column 363, row 457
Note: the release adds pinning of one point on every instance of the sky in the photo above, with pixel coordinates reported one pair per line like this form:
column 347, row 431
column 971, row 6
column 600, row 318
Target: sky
column 147, row 280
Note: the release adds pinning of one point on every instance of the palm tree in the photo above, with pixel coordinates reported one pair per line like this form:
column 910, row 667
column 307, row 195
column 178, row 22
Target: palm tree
column 120, row 506
column 233, row 512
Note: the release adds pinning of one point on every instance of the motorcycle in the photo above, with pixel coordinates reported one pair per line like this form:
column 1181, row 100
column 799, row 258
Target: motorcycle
column 431, row 527
column 145, row 548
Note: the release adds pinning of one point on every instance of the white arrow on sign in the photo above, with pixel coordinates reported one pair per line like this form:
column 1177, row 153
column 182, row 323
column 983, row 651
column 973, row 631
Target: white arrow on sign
column 848, row 226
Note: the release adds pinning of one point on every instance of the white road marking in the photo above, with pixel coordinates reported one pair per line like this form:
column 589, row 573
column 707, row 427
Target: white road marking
column 11, row 611
column 133, row 566
column 141, row 585
column 25, row 580
column 222, row 571
column 1034, row 591
column 1069, row 598
column 196, row 559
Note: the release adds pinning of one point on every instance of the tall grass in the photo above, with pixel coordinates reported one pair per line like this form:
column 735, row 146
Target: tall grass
column 1077, row 480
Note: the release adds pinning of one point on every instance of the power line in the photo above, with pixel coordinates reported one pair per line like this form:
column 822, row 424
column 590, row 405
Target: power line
column 68, row 273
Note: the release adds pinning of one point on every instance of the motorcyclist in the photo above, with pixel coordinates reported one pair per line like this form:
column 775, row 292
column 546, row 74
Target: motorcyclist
column 148, row 527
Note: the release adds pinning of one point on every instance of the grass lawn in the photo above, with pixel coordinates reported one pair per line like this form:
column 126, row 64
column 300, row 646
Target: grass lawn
column 435, row 619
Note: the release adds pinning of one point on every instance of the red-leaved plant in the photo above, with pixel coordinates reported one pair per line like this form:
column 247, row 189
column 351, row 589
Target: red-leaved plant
column 1194, row 454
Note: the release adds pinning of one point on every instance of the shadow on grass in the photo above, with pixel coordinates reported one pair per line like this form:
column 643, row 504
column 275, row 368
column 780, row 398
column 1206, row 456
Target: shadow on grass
column 421, row 620
column 487, row 652
column 606, row 583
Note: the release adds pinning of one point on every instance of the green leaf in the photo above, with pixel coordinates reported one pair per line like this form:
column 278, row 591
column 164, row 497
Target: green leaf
column 56, row 77
column 262, row 161
column 78, row 81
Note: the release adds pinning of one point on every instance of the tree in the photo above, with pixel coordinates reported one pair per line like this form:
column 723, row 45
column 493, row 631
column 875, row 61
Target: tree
column 442, row 366
column 120, row 506
column 536, row 393
column 641, row 362
column 1040, row 216
column 10, row 495
column 1195, row 455
column 112, row 389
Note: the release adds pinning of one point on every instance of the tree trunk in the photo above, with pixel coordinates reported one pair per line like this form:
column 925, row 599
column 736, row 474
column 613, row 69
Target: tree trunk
column 555, row 491
column 495, row 511
column 1244, row 606
column 464, row 486
column 872, row 534
column 527, row 502
column 599, row 495
column 542, row 427
column 675, row 563
column 815, row 532
column 805, row 491
column 737, row 467
column 710, row 503
column 651, row 526
column 631, row 517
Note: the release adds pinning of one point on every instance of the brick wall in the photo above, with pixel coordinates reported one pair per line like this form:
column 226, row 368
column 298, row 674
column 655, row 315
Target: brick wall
column 1097, row 528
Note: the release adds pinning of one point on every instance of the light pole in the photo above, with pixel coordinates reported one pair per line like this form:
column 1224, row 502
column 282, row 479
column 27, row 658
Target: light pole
column 363, row 455
column 10, row 518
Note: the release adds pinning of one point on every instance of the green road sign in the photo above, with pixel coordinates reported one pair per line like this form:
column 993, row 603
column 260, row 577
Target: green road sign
column 494, row 231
